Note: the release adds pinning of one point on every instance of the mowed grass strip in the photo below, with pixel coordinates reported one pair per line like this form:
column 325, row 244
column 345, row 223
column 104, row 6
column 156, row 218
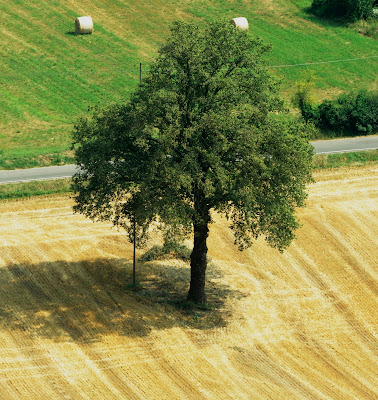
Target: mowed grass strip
column 34, row 188
column 50, row 76
column 351, row 159
column 57, row 186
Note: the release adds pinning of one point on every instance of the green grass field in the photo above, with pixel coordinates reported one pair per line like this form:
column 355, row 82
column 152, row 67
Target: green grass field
column 49, row 76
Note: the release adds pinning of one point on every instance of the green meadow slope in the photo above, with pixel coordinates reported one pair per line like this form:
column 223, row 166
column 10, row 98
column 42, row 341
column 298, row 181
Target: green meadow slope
column 49, row 76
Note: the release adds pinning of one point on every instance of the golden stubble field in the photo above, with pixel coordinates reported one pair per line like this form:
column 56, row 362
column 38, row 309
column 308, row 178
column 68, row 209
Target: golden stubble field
column 297, row 325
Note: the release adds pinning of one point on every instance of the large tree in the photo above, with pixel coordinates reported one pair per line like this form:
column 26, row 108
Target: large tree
column 202, row 134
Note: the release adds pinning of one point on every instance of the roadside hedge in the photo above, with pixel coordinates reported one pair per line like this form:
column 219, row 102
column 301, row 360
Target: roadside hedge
column 348, row 10
column 349, row 114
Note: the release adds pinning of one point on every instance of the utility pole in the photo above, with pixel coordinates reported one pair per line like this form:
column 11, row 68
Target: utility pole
column 134, row 219
column 134, row 250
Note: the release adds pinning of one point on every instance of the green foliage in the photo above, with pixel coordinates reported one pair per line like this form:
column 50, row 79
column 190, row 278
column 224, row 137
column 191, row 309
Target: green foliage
column 209, row 96
column 172, row 249
column 367, row 27
column 349, row 10
column 352, row 114
column 303, row 97
column 197, row 136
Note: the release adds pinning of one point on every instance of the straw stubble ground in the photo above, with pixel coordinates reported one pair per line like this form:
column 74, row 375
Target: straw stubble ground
column 297, row 325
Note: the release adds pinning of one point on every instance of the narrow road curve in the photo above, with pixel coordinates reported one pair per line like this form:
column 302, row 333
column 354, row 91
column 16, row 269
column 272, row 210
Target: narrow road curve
column 66, row 171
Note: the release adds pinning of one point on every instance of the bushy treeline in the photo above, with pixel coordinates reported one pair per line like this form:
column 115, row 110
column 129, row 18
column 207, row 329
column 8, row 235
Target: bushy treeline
column 352, row 114
column 349, row 10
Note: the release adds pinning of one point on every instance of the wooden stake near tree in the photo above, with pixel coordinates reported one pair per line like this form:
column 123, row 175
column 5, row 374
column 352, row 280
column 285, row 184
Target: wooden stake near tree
column 199, row 135
column 134, row 251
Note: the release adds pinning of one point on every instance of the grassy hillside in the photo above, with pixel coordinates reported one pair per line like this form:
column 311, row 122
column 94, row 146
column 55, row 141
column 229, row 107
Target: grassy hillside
column 298, row 325
column 49, row 76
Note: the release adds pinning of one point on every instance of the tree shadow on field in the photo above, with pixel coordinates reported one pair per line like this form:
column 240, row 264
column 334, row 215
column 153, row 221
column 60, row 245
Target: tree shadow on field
column 85, row 301
column 323, row 21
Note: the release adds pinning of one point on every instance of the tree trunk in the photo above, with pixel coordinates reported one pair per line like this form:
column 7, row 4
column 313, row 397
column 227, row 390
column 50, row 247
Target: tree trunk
column 198, row 263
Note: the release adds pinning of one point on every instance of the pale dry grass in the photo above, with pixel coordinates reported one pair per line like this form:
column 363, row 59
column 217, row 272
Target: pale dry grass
column 298, row 325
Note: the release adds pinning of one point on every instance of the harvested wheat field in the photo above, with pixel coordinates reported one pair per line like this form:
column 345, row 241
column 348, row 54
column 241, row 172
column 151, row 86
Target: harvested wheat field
column 297, row 325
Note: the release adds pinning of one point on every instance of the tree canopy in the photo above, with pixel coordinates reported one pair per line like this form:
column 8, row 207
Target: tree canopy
column 201, row 134
column 349, row 10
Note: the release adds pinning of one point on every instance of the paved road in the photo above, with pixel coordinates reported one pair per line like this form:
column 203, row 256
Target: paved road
column 345, row 145
column 66, row 171
column 36, row 174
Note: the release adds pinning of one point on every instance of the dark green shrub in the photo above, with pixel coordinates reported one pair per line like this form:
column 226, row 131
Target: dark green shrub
column 170, row 249
column 303, row 98
column 335, row 114
column 349, row 10
column 349, row 114
column 364, row 115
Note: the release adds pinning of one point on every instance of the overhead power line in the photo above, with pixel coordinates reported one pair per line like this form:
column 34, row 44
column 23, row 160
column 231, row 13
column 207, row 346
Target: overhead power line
column 134, row 71
column 320, row 62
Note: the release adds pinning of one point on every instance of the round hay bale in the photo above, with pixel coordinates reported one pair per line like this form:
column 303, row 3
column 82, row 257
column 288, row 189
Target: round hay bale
column 240, row 23
column 83, row 25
